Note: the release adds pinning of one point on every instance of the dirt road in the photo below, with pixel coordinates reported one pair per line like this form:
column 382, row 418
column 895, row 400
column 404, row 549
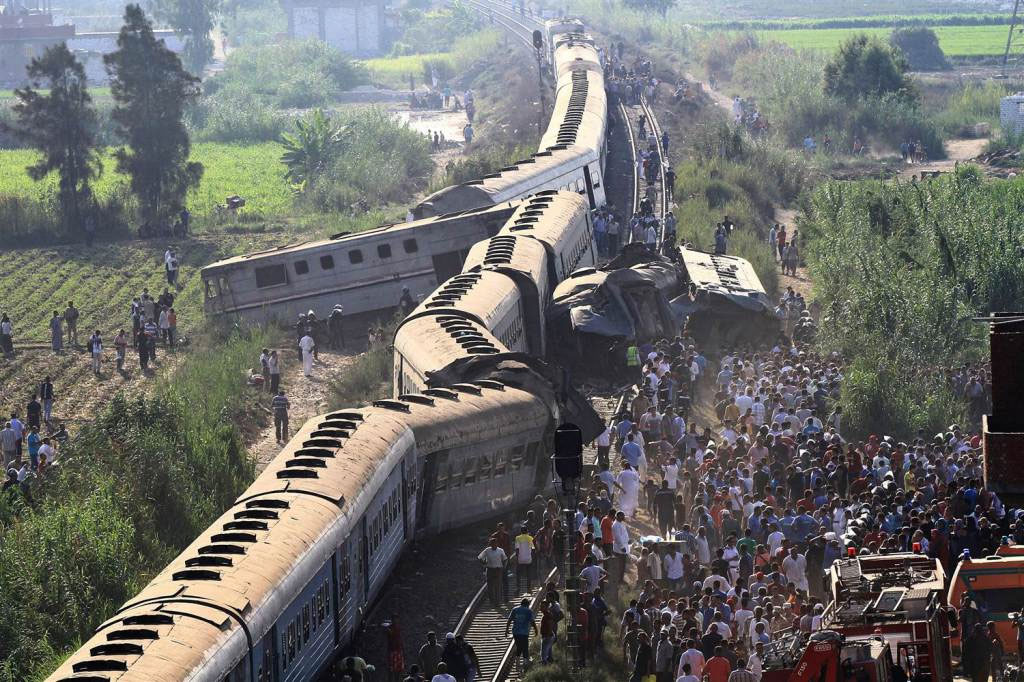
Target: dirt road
column 956, row 150
column 308, row 397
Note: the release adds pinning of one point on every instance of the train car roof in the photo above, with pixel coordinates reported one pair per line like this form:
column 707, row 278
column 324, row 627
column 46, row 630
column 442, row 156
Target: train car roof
column 547, row 216
column 270, row 535
column 509, row 251
column 475, row 294
column 433, row 342
column 580, row 104
column 492, row 411
column 726, row 273
column 343, row 237
column 576, row 56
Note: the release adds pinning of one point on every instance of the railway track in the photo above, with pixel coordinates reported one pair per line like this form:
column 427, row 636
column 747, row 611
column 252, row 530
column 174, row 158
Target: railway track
column 483, row 626
column 519, row 25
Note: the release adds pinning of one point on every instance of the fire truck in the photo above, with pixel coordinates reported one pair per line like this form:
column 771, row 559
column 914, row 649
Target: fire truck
column 887, row 611
column 826, row 656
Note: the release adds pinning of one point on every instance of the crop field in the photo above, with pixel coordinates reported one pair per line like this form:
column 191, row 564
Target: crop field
column 252, row 171
column 956, row 41
column 394, row 72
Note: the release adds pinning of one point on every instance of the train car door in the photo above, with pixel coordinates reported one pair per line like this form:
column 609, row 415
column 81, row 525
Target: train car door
column 448, row 264
column 590, row 187
column 267, row 665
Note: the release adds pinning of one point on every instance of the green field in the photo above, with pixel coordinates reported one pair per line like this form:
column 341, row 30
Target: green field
column 956, row 41
column 394, row 71
column 253, row 171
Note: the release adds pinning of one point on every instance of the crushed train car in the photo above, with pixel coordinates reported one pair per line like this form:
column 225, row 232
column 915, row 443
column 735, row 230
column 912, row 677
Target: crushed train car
column 727, row 303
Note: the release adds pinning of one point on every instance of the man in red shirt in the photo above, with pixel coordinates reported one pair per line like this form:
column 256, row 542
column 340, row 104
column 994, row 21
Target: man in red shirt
column 717, row 669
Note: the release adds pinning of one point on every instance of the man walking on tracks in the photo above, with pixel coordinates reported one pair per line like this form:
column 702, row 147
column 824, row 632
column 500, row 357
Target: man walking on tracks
column 521, row 620
column 493, row 558
column 280, row 407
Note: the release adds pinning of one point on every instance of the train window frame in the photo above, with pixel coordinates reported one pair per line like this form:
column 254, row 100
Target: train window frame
column 301, row 267
column 484, row 466
column 500, row 462
column 355, row 256
column 383, row 251
column 306, row 625
column 327, row 262
column 441, row 478
column 531, row 454
column 410, row 246
column 516, row 457
column 279, row 275
column 469, row 471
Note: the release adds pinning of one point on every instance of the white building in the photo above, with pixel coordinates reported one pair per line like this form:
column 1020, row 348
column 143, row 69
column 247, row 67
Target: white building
column 1011, row 113
column 355, row 27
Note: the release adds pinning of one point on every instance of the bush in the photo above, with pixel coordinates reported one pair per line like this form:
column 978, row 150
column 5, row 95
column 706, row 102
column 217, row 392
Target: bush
column 300, row 74
column 435, row 31
column 720, row 53
column 921, row 47
column 904, row 267
column 130, row 491
column 384, row 161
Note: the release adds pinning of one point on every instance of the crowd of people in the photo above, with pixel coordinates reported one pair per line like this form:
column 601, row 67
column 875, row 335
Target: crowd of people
column 29, row 446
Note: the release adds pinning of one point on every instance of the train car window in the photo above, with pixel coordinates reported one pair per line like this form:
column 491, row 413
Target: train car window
column 291, row 642
column 305, row 623
column 455, row 477
column 469, row 475
column 442, row 472
column 355, row 256
column 324, row 600
column 410, row 246
column 327, row 262
column 384, row 250
column 483, row 471
column 531, row 455
column 271, row 275
column 301, row 267
column 345, row 576
column 500, row 462
column 386, row 513
column 268, row 661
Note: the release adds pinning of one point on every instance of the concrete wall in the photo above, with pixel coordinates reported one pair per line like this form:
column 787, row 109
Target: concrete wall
column 355, row 27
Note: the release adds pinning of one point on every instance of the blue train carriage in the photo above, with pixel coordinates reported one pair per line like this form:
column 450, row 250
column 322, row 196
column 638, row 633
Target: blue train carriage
column 278, row 585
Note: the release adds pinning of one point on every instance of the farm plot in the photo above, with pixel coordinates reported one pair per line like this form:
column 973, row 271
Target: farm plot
column 253, row 171
column 955, row 41
column 102, row 281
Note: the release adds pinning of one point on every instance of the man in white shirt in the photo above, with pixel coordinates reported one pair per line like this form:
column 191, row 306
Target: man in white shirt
column 745, row 401
column 494, row 558
column 775, row 539
column 671, row 473
column 795, row 569
column 674, row 567
column 620, row 545
column 307, row 345
column 755, row 665
column 592, row 574
column 694, row 658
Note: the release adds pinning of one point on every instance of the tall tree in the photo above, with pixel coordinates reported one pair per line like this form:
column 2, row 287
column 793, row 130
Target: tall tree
column 61, row 124
column 151, row 90
column 867, row 67
column 193, row 20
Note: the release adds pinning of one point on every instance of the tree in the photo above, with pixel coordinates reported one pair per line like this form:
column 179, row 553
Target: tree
column 192, row 19
column 313, row 147
column 660, row 6
column 151, row 90
column 867, row 67
column 61, row 124
column 921, row 47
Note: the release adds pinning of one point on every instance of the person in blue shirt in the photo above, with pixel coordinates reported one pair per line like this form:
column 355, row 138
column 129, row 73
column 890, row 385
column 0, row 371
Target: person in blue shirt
column 520, row 619
column 631, row 451
column 803, row 525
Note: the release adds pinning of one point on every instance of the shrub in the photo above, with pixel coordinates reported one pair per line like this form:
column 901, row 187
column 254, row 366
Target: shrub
column 921, row 47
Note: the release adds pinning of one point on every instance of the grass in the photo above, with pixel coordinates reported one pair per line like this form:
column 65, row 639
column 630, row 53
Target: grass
column 870, row 20
column 955, row 41
column 394, row 72
column 253, row 171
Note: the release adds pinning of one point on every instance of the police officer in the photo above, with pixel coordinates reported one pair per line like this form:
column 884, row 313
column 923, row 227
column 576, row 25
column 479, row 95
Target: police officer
column 334, row 326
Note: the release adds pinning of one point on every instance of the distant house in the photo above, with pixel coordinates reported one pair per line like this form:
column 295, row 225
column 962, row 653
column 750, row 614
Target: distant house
column 355, row 27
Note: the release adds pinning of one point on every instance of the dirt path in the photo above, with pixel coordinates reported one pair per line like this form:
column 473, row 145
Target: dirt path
column 448, row 123
column 960, row 149
column 720, row 100
column 308, row 397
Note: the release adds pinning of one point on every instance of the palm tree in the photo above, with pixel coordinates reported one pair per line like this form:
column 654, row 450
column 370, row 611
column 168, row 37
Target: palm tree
column 312, row 148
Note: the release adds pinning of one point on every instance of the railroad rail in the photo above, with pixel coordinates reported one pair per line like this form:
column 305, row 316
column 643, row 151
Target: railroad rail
column 520, row 25
column 483, row 626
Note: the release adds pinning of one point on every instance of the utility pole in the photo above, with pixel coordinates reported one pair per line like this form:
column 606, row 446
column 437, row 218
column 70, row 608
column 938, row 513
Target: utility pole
column 1009, row 36
column 538, row 48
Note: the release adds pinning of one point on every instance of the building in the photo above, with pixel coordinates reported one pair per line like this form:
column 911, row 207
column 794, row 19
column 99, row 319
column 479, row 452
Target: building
column 1011, row 113
column 355, row 27
column 24, row 34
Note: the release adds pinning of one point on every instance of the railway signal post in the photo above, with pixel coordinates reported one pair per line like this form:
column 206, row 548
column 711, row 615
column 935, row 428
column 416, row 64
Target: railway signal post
column 538, row 48
column 568, row 470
